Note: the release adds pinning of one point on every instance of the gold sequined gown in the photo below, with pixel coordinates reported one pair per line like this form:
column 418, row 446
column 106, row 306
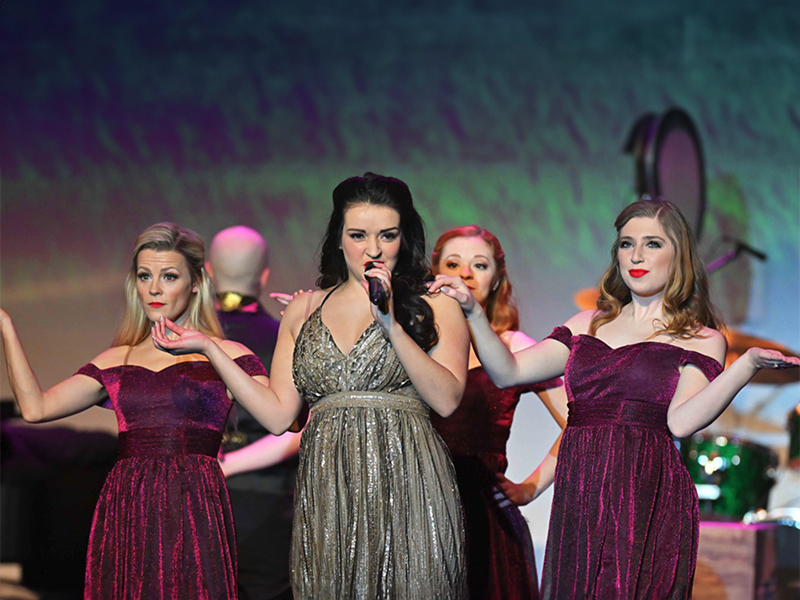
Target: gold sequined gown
column 377, row 511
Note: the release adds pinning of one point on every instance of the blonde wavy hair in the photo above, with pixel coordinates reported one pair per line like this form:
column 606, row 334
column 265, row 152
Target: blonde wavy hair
column 687, row 306
column 200, row 315
column 500, row 308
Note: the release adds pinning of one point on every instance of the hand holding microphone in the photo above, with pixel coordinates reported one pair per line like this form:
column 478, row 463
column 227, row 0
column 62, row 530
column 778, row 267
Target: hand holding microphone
column 377, row 295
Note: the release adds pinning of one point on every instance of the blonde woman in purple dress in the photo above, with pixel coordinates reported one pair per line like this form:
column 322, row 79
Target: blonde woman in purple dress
column 162, row 527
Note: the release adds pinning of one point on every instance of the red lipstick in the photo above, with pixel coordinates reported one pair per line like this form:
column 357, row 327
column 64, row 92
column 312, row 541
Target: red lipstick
column 156, row 304
column 638, row 273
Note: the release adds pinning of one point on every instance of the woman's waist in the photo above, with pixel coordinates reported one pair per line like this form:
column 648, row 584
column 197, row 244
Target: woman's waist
column 628, row 412
column 168, row 441
column 405, row 399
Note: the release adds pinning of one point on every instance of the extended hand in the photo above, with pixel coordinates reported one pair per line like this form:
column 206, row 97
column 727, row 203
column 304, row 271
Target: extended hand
column 188, row 341
column 455, row 288
column 516, row 492
column 771, row 359
column 284, row 299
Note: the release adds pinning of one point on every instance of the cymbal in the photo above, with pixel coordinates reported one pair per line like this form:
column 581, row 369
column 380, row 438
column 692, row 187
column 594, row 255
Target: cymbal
column 739, row 343
column 587, row 299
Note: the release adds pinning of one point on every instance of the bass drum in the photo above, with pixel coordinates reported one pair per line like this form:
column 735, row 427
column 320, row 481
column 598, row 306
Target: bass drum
column 733, row 476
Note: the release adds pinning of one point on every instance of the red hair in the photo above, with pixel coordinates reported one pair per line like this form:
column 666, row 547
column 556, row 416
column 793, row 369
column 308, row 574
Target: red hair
column 500, row 308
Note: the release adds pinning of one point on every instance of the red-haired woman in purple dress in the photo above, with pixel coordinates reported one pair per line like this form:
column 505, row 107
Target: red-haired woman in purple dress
column 500, row 560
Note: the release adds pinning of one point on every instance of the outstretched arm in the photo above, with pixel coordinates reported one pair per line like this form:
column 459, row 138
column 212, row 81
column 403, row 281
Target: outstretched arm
column 71, row 396
column 545, row 360
column 697, row 403
column 554, row 397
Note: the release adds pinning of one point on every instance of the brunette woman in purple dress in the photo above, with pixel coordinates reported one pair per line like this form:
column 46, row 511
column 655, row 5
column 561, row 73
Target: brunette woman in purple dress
column 500, row 560
column 646, row 365
column 162, row 527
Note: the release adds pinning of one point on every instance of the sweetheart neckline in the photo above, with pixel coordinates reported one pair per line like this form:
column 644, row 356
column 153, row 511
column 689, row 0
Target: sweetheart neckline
column 183, row 362
column 642, row 343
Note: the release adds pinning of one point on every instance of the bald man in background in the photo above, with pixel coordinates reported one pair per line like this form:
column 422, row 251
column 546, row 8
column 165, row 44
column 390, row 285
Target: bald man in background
column 260, row 468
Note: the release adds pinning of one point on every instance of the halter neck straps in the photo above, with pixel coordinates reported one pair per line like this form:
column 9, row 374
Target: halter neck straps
column 325, row 299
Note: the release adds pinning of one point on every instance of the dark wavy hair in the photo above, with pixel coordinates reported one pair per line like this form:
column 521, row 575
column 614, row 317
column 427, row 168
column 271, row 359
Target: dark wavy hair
column 687, row 305
column 500, row 308
column 410, row 273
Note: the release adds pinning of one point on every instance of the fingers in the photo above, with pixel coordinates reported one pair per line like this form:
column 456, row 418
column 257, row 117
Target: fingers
column 285, row 299
column 772, row 359
column 160, row 336
column 444, row 280
column 159, row 341
column 450, row 286
column 379, row 271
column 172, row 326
column 282, row 298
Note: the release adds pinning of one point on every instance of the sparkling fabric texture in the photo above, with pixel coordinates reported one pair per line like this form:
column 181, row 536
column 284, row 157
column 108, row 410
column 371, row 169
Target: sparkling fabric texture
column 500, row 559
column 162, row 528
column 624, row 519
column 377, row 512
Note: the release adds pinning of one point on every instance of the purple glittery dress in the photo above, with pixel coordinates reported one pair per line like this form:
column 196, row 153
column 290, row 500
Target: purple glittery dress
column 624, row 519
column 163, row 527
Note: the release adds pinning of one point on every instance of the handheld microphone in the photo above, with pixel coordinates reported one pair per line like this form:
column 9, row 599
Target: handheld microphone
column 376, row 294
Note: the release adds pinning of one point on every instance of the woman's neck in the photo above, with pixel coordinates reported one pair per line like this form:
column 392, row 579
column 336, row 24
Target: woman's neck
column 646, row 308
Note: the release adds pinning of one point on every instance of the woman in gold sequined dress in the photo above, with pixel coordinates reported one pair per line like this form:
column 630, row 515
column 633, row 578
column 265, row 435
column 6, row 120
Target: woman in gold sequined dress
column 377, row 513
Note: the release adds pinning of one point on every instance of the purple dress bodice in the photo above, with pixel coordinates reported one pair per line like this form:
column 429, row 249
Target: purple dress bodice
column 624, row 520
column 605, row 378
column 185, row 394
column 162, row 527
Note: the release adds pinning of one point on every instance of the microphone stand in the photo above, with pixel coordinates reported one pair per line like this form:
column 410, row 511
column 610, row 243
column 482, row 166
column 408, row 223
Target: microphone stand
column 739, row 247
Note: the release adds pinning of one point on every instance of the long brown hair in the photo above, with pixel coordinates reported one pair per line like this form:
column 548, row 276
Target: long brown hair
column 411, row 271
column 687, row 306
column 200, row 314
column 500, row 308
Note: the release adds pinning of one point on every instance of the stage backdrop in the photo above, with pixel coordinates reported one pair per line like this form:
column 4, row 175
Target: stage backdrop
column 510, row 114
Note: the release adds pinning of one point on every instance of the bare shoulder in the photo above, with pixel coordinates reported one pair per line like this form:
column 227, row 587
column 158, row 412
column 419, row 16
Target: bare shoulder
column 443, row 305
column 113, row 357
column 300, row 307
column 579, row 323
column 517, row 340
column 709, row 342
column 234, row 349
